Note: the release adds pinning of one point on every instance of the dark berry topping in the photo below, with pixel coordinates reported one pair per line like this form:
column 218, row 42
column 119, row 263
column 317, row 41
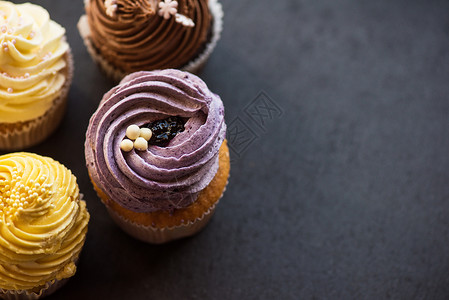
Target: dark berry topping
column 165, row 130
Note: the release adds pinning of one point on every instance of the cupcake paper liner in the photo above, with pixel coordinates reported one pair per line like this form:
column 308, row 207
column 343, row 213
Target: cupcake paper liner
column 198, row 63
column 29, row 133
column 193, row 66
column 48, row 289
column 155, row 235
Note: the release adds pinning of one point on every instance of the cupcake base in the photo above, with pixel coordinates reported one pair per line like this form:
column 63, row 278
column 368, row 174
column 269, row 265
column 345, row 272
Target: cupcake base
column 162, row 227
column 48, row 289
column 193, row 66
column 154, row 235
column 38, row 292
column 17, row 136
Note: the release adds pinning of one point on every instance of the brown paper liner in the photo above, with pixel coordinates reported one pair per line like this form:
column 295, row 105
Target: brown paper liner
column 194, row 66
column 162, row 227
column 38, row 293
column 17, row 136
column 48, row 289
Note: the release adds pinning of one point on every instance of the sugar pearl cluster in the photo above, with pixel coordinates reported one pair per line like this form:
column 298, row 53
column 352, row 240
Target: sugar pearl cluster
column 15, row 196
column 137, row 138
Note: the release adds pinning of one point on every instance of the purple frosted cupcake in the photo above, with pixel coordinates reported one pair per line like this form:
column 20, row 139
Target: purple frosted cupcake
column 157, row 155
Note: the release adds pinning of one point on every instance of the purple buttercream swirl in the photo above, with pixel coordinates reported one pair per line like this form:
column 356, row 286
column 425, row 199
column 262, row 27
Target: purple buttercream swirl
column 161, row 178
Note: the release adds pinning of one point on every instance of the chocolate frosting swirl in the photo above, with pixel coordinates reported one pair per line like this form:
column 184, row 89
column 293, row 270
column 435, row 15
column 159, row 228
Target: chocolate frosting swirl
column 137, row 38
column 160, row 178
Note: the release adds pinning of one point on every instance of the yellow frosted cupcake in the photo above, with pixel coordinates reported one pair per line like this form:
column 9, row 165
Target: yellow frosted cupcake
column 43, row 225
column 35, row 75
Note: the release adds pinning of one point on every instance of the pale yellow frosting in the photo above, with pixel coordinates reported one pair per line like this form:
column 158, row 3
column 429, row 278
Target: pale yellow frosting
column 43, row 222
column 32, row 62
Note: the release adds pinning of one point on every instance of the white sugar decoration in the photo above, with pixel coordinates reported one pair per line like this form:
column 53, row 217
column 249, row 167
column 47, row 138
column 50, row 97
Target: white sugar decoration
column 140, row 144
column 168, row 8
column 146, row 133
column 126, row 145
column 186, row 21
column 111, row 7
column 137, row 138
column 133, row 132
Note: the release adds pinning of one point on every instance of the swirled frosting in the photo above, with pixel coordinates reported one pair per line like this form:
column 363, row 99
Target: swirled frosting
column 32, row 64
column 137, row 38
column 159, row 178
column 43, row 223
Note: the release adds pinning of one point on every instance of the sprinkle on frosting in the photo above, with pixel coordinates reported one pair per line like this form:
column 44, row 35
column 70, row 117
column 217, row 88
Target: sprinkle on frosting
column 146, row 133
column 111, row 7
column 133, row 132
column 140, row 144
column 168, row 8
column 126, row 145
column 184, row 20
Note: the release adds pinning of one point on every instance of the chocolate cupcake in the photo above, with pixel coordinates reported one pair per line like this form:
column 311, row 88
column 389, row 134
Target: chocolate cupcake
column 127, row 36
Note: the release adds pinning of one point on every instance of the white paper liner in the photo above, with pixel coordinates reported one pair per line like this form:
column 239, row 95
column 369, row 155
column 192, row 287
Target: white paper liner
column 198, row 63
column 35, row 131
column 194, row 66
column 154, row 235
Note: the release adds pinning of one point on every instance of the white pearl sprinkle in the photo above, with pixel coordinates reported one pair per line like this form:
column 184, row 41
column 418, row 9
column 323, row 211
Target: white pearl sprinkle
column 10, row 90
column 146, row 133
column 141, row 144
column 126, row 145
column 133, row 132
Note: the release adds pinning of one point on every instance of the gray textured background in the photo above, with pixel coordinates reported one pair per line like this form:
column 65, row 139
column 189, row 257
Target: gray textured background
column 342, row 193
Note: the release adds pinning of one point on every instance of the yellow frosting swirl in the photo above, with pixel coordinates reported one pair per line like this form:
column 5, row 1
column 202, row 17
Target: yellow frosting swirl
column 32, row 62
column 43, row 222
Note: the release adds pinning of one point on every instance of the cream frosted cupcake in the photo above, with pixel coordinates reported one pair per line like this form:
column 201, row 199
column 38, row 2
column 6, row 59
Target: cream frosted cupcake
column 157, row 155
column 127, row 36
column 35, row 75
column 43, row 225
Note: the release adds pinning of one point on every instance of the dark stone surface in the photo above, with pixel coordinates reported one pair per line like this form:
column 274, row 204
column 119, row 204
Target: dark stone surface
column 339, row 187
